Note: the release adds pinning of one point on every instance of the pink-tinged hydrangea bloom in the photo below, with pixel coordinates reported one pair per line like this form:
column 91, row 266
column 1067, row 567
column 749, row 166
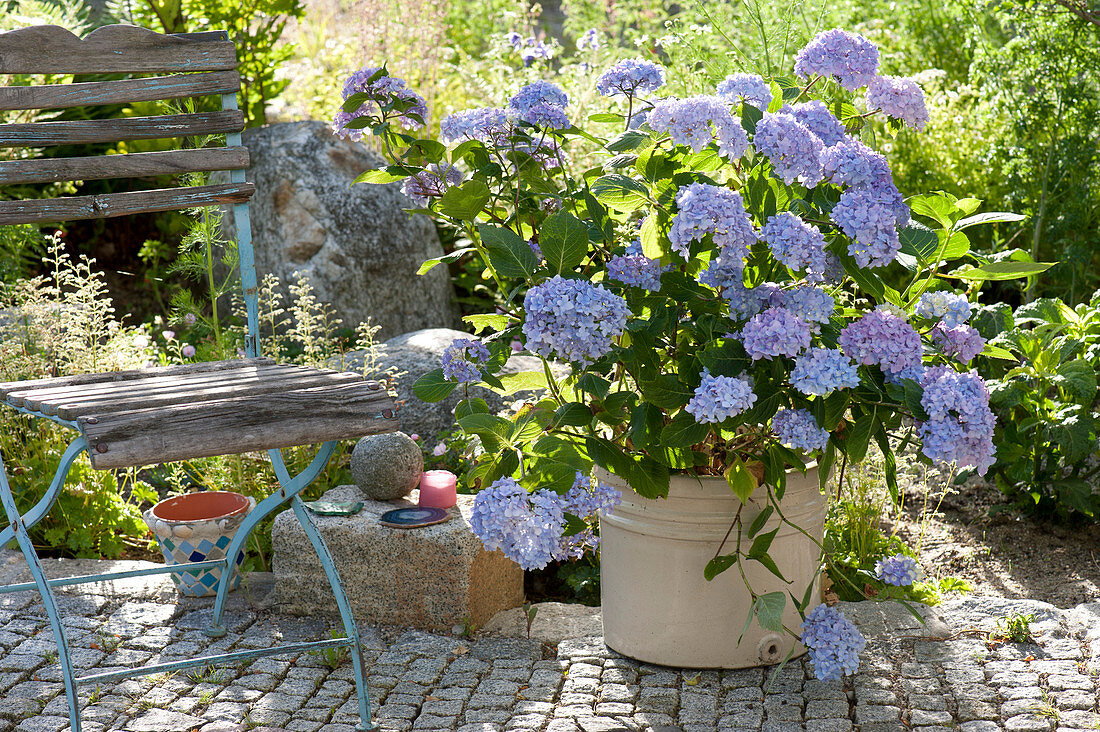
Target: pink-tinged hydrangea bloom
column 706, row 209
column 382, row 91
column 869, row 219
column 717, row 398
column 464, row 359
column 797, row 429
column 961, row 342
column 188, row 351
column 526, row 527
column 819, row 120
column 635, row 268
column 809, row 303
column 795, row 243
column 750, row 87
column 489, row 125
column 899, row 98
column 834, row 642
column 432, row 182
column 794, row 151
column 951, row 309
column 572, row 318
column 821, row 371
column 689, row 122
column 849, row 57
column 960, row 425
column 631, row 77
column 535, row 93
column 775, row 332
column 898, row 570
column 882, row 339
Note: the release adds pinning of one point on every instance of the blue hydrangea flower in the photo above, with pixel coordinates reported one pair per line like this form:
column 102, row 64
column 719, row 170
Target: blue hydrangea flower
column 718, row 398
column 849, row 57
column 795, row 243
column 432, row 182
column 898, row 570
column 821, row 371
column 464, row 359
column 585, row 500
column 590, row 40
column 834, row 269
column 489, row 125
column 869, row 219
column 706, row 209
column 550, row 116
column 631, row 77
column 810, row 303
column 689, row 122
column 535, row 93
column 723, row 273
column 834, row 643
column 382, row 91
column 899, row 98
column 534, row 49
column 883, row 339
column 794, row 151
column 526, row 527
column 961, row 342
column 799, row 430
column 851, row 163
column 635, row 268
column 960, row 425
column 951, row 309
column 775, row 332
column 745, row 302
column 750, row 87
column 572, row 318
column 819, row 120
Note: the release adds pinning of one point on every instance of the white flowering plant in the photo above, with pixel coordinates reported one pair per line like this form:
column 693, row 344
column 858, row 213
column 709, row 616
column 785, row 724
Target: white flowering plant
column 739, row 289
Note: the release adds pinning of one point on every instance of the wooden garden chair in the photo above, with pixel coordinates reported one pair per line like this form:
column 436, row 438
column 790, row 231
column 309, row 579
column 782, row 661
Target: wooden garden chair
column 134, row 418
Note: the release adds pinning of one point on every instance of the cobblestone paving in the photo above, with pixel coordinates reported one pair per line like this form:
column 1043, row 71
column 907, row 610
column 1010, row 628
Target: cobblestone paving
column 932, row 677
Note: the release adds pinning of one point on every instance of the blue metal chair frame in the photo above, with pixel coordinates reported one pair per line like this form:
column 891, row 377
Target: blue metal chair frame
column 289, row 488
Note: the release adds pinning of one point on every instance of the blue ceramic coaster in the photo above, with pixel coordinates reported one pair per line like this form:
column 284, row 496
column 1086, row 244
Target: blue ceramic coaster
column 414, row 518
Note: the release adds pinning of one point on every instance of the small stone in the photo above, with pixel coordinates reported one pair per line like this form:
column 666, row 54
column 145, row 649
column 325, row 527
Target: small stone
column 387, row 466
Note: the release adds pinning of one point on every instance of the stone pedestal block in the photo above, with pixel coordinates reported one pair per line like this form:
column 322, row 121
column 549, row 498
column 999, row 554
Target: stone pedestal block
column 433, row 578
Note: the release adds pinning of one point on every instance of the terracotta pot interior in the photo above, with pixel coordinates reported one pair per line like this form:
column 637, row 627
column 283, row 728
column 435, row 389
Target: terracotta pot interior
column 201, row 506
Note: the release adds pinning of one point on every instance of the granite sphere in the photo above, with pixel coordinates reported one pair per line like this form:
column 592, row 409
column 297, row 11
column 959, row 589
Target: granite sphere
column 386, row 467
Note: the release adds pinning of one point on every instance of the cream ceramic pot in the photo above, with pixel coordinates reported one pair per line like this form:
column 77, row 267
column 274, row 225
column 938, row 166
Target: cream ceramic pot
column 657, row 605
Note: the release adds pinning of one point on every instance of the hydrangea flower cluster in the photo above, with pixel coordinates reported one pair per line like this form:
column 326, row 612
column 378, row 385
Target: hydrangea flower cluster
column 797, row 429
column 794, row 151
column 572, row 318
column 745, row 302
column 899, row 98
column 535, row 94
column 795, row 243
column 851, row 163
column 590, row 40
column 526, row 527
column 817, row 118
column 635, row 268
column 848, row 57
column 960, row 424
column 834, row 643
column 585, row 501
column 706, row 209
column 951, row 309
column 775, row 332
column 717, row 398
column 869, row 219
column 961, row 342
column 464, row 359
column 883, row 339
column 530, row 49
column 821, row 371
column 432, row 182
column 381, row 91
column 750, row 87
column 898, row 570
column 809, row 303
column 631, row 77
column 488, row 125
column 689, row 122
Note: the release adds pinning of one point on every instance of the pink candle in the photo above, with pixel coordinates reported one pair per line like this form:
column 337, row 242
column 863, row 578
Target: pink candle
column 437, row 489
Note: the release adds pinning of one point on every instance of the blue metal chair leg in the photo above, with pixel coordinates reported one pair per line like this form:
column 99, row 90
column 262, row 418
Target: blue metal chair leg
column 288, row 488
column 19, row 529
column 350, row 629
column 40, row 509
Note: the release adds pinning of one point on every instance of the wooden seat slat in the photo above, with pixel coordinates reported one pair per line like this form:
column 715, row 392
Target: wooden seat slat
column 121, row 91
column 110, row 205
column 7, row 387
column 133, row 165
column 243, row 424
column 195, row 394
column 85, row 131
column 32, row 398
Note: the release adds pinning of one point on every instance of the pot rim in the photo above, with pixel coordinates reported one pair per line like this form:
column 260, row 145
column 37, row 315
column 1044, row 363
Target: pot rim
column 227, row 504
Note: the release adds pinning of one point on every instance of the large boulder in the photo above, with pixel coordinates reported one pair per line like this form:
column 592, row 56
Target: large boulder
column 360, row 250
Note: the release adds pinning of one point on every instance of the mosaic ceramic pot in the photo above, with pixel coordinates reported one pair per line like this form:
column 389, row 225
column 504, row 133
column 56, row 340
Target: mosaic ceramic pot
column 195, row 527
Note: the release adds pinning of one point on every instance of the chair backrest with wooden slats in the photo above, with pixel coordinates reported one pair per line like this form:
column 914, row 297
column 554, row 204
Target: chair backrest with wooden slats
column 161, row 67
